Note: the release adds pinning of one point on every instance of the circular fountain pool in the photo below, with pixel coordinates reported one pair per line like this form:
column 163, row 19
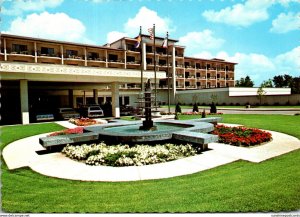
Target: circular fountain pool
column 129, row 132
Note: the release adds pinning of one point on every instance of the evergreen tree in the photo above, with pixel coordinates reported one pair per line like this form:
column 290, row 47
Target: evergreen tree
column 244, row 82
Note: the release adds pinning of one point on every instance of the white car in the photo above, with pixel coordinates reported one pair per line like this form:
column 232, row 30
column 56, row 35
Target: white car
column 92, row 111
column 67, row 113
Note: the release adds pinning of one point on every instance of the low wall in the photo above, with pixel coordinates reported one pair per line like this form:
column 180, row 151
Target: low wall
column 223, row 98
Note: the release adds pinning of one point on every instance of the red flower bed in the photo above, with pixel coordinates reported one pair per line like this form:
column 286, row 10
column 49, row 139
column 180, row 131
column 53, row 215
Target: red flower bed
column 190, row 113
column 241, row 136
column 76, row 130
column 83, row 121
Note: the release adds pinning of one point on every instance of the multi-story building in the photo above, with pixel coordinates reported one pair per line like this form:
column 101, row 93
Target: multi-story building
column 39, row 71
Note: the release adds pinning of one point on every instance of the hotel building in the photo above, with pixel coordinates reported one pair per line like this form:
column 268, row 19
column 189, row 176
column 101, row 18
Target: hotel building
column 39, row 72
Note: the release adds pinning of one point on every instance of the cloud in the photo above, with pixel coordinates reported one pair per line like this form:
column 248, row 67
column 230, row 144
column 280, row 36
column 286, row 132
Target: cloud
column 289, row 61
column 114, row 36
column 199, row 41
column 57, row 26
column 258, row 66
column 242, row 15
column 286, row 22
column 19, row 6
column 145, row 18
column 286, row 3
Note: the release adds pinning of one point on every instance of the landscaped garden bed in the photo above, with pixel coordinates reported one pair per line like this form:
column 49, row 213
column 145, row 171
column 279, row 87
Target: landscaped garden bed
column 86, row 121
column 241, row 136
column 124, row 155
column 77, row 130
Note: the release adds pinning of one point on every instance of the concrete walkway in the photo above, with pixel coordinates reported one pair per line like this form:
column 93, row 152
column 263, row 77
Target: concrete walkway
column 22, row 153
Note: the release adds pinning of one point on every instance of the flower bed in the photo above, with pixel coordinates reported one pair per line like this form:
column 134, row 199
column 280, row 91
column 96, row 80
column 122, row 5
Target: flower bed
column 86, row 121
column 190, row 113
column 76, row 130
column 124, row 155
column 241, row 136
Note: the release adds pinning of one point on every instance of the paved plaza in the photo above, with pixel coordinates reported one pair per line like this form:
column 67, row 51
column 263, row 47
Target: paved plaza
column 22, row 153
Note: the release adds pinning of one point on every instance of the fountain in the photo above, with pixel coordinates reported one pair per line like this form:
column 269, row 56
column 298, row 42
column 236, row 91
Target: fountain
column 120, row 131
column 148, row 122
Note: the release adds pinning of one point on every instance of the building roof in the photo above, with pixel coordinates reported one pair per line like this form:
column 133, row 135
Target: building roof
column 211, row 60
column 57, row 41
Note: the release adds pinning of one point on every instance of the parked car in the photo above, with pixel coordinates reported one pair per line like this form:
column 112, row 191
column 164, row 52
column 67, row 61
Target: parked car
column 91, row 111
column 127, row 110
column 66, row 114
column 41, row 114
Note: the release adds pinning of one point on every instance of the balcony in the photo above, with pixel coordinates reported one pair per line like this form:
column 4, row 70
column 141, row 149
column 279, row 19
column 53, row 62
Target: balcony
column 190, row 86
column 49, row 55
column 73, row 57
column 211, row 78
column 179, row 76
column 190, row 77
column 96, row 59
column 221, row 79
column 24, row 52
column 201, row 87
column 179, row 66
column 180, row 86
column 133, row 63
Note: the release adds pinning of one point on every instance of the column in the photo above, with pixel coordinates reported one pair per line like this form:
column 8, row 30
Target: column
column 62, row 54
column 71, row 98
column 95, row 93
column 85, row 57
column 35, row 52
column 173, row 93
column 84, row 98
column 115, row 100
column 5, row 53
column 24, row 101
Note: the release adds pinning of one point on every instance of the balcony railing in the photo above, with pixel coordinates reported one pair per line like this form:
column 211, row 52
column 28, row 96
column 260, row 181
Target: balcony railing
column 211, row 77
column 191, row 86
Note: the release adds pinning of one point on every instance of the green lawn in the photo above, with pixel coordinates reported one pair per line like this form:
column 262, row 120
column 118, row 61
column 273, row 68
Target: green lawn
column 234, row 106
column 241, row 186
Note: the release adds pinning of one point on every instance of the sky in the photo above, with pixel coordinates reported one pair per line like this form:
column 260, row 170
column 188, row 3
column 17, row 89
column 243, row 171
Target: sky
column 262, row 36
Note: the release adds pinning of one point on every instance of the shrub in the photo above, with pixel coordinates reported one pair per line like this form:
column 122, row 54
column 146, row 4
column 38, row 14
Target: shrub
column 195, row 108
column 177, row 108
column 213, row 108
column 203, row 114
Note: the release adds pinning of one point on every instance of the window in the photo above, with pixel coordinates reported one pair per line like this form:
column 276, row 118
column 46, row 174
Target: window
column 186, row 64
column 19, row 48
column 198, row 65
column 162, row 62
column 113, row 57
column 93, row 55
column 131, row 47
column 130, row 59
column 47, row 51
column 149, row 61
column 71, row 53
column 148, row 49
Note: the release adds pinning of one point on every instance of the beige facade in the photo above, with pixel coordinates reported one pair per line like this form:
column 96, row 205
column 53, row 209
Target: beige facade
column 32, row 68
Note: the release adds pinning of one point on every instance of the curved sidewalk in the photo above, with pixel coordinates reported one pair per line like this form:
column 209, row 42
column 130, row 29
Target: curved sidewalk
column 22, row 153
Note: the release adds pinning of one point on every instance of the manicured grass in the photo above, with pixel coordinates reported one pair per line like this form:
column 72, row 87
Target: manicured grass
column 241, row 186
column 289, row 124
column 233, row 106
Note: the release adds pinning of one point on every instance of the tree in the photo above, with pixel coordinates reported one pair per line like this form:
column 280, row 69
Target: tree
column 295, row 86
column 282, row 80
column 244, row 82
column 267, row 83
column 260, row 94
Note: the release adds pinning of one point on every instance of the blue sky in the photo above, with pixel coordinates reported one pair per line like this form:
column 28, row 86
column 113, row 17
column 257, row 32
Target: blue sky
column 262, row 36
